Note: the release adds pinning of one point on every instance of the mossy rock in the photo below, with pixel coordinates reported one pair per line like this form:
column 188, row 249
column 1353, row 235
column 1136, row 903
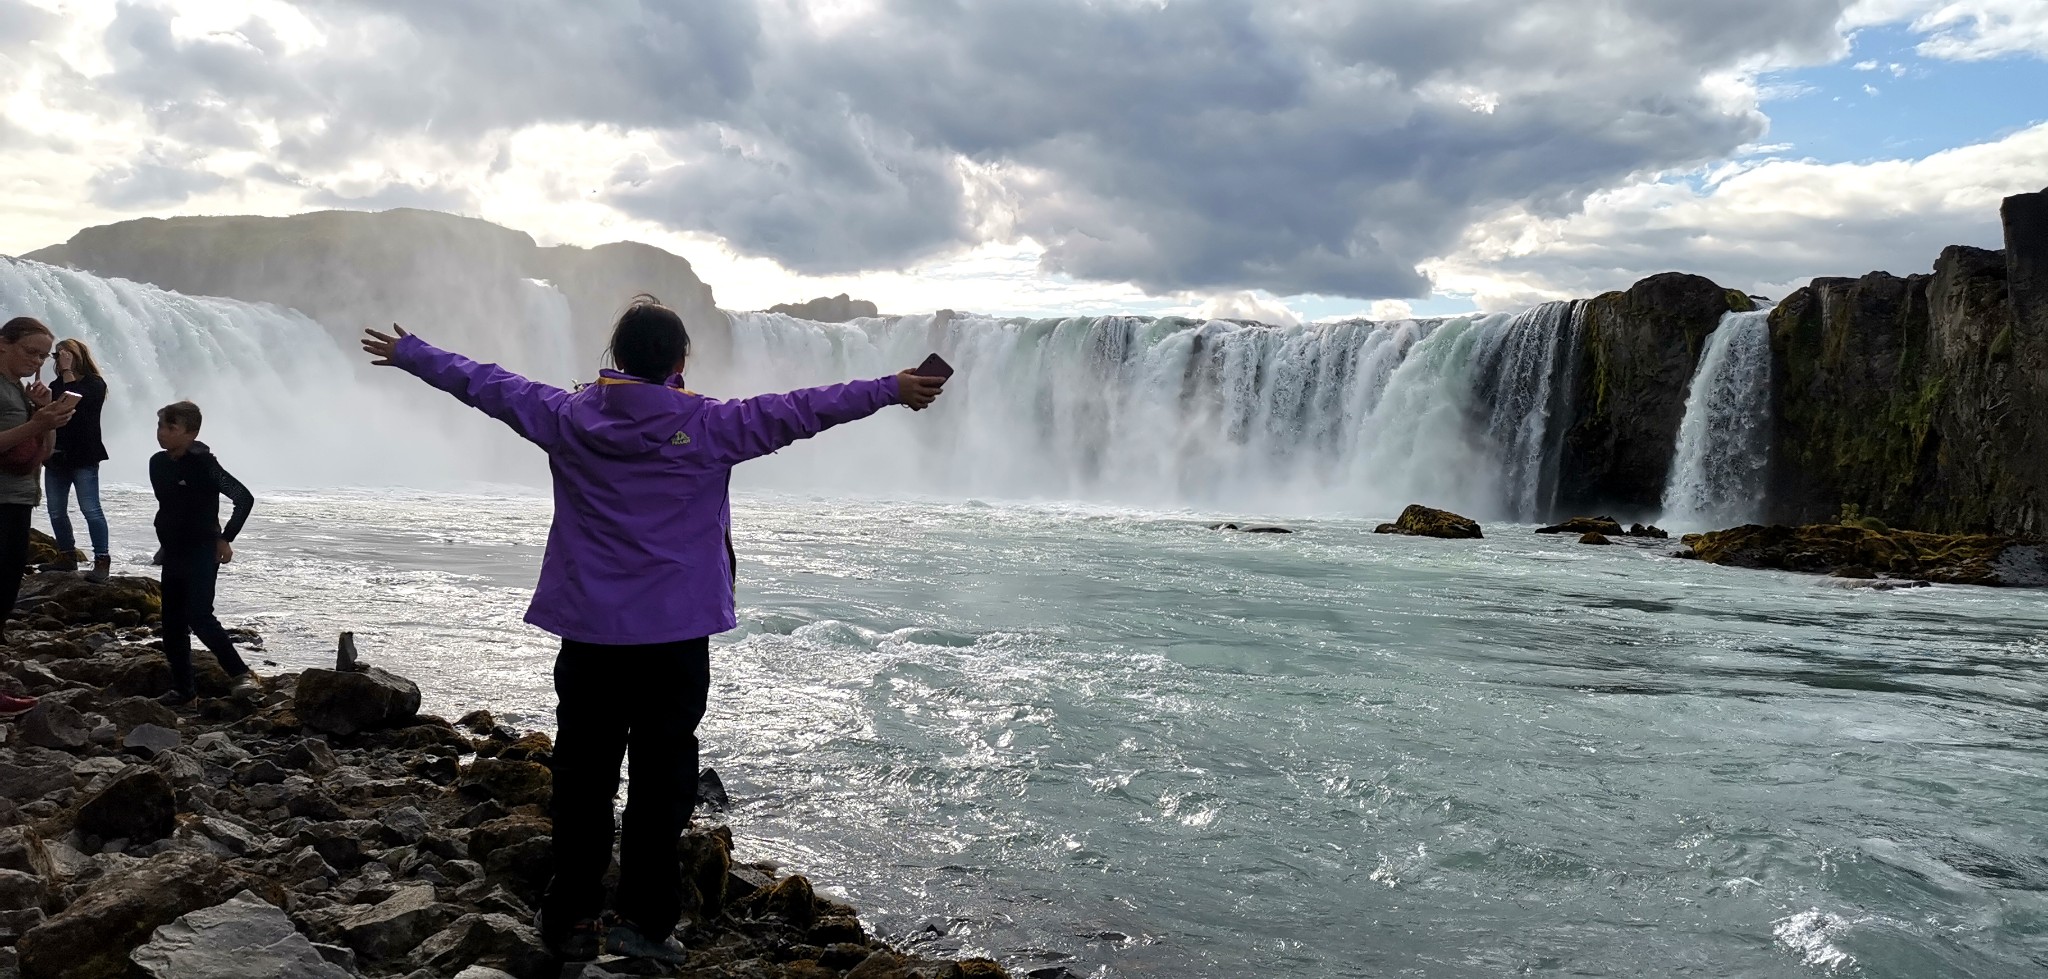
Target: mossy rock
column 42, row 549
column 1954, row 559
column 1422, row 521
column 1586, row 525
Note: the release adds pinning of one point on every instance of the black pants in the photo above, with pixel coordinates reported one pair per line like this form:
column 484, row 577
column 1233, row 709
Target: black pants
column 14, row 522
column 190, row 577
column 640, row 704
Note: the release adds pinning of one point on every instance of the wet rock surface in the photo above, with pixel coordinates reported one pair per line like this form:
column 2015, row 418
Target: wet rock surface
column 1422, row 521
column 1851, row 553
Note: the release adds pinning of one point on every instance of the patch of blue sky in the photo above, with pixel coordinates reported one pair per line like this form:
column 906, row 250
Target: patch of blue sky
column 1886, row 101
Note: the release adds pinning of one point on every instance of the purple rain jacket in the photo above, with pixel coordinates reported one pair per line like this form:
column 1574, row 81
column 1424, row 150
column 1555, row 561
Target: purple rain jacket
column 637, row 552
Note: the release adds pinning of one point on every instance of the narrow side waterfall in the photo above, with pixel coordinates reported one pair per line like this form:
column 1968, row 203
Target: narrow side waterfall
column 1717, row 476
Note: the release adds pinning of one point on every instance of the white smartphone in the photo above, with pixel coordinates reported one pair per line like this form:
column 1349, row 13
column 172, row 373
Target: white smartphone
column 71, row 394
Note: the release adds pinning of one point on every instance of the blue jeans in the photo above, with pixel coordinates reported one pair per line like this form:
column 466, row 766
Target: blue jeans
column 57, row 485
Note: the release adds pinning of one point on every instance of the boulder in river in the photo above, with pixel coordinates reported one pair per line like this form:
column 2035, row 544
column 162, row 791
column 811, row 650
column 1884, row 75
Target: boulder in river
column 1586, row 525
column 1961, row 559
column 1593, row 538
column 1254, row 529
column 1422, row 521
column 1652, row 532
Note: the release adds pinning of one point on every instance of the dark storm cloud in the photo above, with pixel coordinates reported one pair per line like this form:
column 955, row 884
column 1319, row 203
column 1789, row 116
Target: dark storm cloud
column 1200, row 144
column 452, row 69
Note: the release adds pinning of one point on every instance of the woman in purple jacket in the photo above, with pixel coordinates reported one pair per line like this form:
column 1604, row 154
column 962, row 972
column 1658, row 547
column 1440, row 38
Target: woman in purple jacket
column 636, row 580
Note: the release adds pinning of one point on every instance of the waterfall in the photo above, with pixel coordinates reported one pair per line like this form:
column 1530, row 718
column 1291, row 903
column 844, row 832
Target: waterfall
column 286, row 405
column 1348, row 417
column 1352, row 417
column 1717, row 474
column 1520, row 379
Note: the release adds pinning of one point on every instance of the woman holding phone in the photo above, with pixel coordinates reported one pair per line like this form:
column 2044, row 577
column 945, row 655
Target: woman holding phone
column 28, row 416
column 75, row 465
column 635, row 581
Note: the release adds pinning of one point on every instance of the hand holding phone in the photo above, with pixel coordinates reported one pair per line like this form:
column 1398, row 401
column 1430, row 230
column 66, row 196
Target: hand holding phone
column 919, row 386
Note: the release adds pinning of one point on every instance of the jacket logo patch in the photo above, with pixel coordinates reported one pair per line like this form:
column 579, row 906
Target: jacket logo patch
column 680, row 438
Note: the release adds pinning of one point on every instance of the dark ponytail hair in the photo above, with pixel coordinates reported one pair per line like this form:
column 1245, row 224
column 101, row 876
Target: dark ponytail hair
column 649, row 340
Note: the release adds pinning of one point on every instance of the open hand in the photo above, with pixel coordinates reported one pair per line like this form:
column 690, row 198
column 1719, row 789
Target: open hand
column 917, row 390
column 381, row 347
column 225, row 551
column 39, row 393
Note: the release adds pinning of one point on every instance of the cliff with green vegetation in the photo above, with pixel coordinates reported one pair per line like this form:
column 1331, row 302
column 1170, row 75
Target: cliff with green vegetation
column 1919, row 401
column 451, row 278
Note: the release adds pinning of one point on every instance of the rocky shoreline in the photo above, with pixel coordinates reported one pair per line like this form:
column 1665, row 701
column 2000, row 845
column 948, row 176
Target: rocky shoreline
column 1860, row 551
column 319, row 827
column 1878, row 554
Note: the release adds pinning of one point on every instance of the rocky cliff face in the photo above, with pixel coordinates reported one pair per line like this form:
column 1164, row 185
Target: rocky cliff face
column 452, row 278
column 1628, row 375
column 1922, row 401
column 828, row 309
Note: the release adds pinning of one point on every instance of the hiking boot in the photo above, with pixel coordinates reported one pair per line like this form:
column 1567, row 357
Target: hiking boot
column 13, row 706
column 625, row 938
column 581, row 943
column 63, row 565
column 176, row 698
column 247, row 682
column 102, row 569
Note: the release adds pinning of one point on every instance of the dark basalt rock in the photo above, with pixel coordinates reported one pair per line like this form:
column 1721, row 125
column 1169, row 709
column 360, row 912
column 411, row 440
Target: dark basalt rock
column 1422, row 521
column 1962, row 559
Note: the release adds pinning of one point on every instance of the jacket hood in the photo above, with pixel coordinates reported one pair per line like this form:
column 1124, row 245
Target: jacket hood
column 623, row 416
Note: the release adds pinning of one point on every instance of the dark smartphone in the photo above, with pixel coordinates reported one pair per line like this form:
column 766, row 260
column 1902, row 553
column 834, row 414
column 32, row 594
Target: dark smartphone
column 934, row 366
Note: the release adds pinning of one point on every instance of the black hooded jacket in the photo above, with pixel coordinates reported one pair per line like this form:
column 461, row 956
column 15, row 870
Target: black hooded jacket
column 188, row 492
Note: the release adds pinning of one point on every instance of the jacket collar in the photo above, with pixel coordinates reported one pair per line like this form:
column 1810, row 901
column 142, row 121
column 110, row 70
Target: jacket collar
column 609, row 376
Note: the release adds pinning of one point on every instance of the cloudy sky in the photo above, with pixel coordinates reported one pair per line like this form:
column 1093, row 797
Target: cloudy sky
column 1306, row 159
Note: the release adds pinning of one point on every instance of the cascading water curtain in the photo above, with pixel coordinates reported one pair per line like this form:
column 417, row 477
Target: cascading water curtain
column 1348, row 417
column 1723, row 457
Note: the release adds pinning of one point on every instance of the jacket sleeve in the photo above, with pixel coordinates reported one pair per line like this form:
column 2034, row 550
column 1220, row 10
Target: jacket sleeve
column 531, row 408
column 753, row 427
column 236, row 493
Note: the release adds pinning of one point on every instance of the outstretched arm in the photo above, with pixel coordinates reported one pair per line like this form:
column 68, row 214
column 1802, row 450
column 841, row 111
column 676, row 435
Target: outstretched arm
column 753, row 427
column 529, row 407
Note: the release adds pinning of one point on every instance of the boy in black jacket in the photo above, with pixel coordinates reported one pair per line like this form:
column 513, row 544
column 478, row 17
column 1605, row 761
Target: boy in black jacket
column 189, row 483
